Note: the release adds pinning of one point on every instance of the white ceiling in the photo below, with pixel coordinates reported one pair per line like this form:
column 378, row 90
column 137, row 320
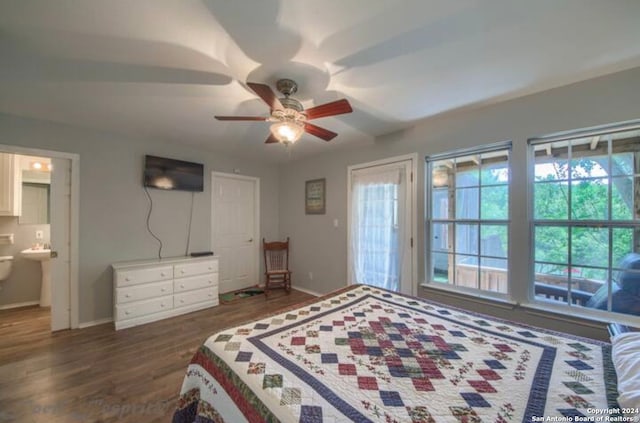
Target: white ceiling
column 162, row 69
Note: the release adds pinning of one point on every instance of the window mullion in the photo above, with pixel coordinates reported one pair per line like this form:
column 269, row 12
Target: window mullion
column 610, row 272
column 478, row 235
column 452, row 214
column 585, row 223
column 570, row 229
column 610, row 216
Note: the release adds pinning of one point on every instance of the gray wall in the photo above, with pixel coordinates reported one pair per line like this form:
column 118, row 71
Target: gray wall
column 23, row 284
column 320, row 248
column 113, row 205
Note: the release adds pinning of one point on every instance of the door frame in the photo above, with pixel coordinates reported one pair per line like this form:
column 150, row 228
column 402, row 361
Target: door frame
column 256, row 213
column 412, row 196
column 74, row 223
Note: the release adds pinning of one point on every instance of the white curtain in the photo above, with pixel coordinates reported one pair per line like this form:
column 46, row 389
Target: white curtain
column 376, row 216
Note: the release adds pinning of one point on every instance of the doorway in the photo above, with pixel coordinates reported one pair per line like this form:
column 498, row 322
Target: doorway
column 235, row 229
column 45, row 247
column 382, row 225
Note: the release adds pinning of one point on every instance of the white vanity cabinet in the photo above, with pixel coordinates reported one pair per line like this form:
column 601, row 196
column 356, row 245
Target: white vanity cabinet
column 150, row 290
column 10, row 185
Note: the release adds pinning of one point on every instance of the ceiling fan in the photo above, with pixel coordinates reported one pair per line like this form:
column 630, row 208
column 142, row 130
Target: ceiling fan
column 289, row 118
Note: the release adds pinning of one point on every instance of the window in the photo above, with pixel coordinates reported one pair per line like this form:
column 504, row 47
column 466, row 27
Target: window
column 586, row 227
column 468, row 219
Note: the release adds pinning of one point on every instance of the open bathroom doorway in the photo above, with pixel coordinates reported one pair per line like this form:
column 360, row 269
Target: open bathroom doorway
column 51, row 247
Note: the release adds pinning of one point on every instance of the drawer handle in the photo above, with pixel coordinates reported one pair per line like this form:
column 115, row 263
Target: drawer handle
column 127, row 279
column 162, row 305
column 210, row 281
column 181, row 285
column 210, row 268
column 182, row 301
column 163, row 289
column 211, row 295
column 162, row 274
column 182, row 271
column 127, row 296
column 126, row 312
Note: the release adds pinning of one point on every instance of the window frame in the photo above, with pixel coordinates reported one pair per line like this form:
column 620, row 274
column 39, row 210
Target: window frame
column 479, row 221
column 571, row 223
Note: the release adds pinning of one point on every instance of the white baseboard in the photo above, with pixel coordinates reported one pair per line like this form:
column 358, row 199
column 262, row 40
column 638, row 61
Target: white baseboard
column 308, row 291
column 18, row 305
column 95, row 323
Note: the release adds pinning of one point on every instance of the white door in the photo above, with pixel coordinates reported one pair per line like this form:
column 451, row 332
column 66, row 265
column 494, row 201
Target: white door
column 60, row 198
column 235, row 229
column 381, row 225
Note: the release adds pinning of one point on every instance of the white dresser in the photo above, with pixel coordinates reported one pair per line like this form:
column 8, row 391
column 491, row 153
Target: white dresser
column 149, row 290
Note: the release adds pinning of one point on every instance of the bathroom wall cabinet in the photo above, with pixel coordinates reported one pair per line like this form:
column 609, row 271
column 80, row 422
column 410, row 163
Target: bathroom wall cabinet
column 150, row 290
column 10, row 185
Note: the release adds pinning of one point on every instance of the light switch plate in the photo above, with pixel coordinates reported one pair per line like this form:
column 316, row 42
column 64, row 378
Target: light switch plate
column 39, row 235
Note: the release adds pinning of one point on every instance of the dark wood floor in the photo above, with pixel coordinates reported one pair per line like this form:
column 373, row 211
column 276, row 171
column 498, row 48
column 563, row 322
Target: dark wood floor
column 100, row 375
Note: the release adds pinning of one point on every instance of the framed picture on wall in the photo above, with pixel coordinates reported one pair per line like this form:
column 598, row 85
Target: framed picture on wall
column 314, row 196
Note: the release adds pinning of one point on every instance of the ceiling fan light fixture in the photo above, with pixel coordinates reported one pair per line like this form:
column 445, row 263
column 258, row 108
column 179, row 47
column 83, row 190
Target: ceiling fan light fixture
column 287, row 132
column 289, row 120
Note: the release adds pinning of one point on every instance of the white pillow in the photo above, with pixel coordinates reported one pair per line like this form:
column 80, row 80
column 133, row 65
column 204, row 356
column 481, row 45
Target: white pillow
column 625, row 354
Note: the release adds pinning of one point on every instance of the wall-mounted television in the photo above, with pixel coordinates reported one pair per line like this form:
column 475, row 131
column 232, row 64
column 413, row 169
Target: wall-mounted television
column 171, row 174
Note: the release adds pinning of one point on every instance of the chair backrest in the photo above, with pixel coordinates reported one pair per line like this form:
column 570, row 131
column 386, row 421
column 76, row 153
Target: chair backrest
column 276, row 255
column 628, row 278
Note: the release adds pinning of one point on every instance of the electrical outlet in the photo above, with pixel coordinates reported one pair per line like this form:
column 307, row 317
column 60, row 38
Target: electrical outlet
column 39, row 235
column 310, row 276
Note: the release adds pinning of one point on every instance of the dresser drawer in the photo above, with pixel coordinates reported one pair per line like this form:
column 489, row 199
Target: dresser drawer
column 144, row 291
column 137, row 276
column 192, row 269
column 142, row 308
column 195, row 282
column 197, row 296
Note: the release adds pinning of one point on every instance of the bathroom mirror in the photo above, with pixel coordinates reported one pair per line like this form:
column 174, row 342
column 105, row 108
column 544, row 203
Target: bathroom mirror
column 35, row 200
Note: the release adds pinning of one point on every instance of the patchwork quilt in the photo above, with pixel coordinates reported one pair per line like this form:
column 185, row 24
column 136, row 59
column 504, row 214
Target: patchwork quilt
column 368, row 355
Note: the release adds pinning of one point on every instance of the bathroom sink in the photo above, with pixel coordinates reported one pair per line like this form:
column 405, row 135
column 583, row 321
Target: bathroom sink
column 44, row 257
column 37, row 255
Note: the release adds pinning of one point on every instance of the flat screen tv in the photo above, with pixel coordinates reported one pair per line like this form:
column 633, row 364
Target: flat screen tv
column 170, row 174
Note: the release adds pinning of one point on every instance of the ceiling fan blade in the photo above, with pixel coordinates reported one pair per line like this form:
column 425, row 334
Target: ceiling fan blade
column 319, row 132
column 337, row 107
column 271, row 139
column 240, row 118
column 266, row 93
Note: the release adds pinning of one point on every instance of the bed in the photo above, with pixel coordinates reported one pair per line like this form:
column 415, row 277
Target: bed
column 368, row 355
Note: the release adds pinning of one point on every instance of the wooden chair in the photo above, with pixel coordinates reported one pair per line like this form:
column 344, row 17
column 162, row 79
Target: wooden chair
column 276, row 265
